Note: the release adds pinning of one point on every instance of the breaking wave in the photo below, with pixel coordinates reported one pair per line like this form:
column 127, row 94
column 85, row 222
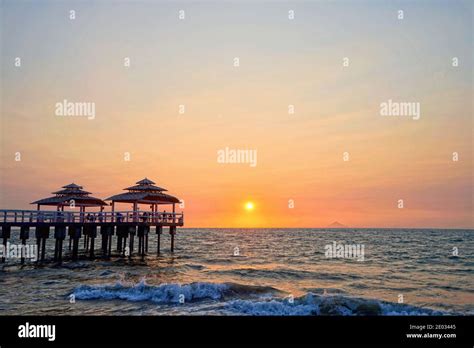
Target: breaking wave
column 239, row 299
column 312, row 304
column 167, row 293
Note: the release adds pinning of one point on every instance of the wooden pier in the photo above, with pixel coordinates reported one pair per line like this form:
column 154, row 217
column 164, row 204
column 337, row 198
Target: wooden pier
column 125, row 225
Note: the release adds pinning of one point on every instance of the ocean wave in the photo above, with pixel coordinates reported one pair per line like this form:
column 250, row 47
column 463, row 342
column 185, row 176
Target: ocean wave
column 240, row 299
column 312, row 304
column 168, row 293
column 164, row 293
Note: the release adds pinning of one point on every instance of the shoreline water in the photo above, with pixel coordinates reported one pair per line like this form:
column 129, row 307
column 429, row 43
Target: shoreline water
column 275, row 272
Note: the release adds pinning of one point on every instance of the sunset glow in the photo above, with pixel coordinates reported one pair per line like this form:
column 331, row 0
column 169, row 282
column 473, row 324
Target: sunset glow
column 249, row 206
column 312, row 127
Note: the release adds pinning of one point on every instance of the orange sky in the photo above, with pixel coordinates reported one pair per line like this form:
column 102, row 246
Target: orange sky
column 300, row 155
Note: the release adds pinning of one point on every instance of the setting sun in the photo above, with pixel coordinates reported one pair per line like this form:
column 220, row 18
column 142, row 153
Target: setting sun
column 249, row 206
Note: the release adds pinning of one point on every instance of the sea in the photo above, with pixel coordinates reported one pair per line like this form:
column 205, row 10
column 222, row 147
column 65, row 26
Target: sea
column 256, row 272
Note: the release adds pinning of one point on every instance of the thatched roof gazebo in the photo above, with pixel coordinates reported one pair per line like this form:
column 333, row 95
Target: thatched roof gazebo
column 71, row 194
column 144, row 192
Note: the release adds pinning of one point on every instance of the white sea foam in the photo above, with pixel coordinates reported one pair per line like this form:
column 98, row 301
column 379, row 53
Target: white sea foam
column 270, row 307
column 312, row 304
column 164, row 293
column 239, row 299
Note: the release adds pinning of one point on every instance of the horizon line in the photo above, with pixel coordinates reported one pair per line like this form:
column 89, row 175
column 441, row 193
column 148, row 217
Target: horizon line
column 338, row 228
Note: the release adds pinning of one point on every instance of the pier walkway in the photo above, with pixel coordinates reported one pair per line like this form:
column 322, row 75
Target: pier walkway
column 124, row 224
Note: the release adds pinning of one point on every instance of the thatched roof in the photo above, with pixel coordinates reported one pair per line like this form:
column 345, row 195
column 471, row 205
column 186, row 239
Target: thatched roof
column 145, row 185
column 66, row 200
column 72, row 186
column 144, row 192
column 71, row 192
column 145, row 181
column 72, row 189
column 143, row 197
column 150, row 188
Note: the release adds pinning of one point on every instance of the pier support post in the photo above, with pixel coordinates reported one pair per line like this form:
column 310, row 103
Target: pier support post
column 147, row 232
column 38, row 247
column 132, row 235
column 124, row 245
column 91, row 251
column 132, row 230
column 24, row 235
column 139, row 245
column 42, row 233
column 56, row 249
column 91, row 237
column 142, row 232
column 122, row 233
column 43, row 249
column 5, row 234
column 90, row 233
column 105, row 239
column 159, row 231
column 119, row 242
column 172, row 233
column 60, row 247
column 59, row 236
column 75, row 234
column 75, row 248
column 107, row 233
column 109, row 252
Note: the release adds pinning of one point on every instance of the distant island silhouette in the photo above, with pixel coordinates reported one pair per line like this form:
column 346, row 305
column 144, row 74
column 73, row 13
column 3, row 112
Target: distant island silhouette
column 336, row 224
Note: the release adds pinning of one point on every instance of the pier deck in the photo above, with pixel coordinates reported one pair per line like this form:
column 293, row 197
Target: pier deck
column 33, row 218
column 124, row 224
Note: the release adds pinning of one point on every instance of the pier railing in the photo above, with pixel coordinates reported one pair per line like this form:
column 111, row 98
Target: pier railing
column 49, row 216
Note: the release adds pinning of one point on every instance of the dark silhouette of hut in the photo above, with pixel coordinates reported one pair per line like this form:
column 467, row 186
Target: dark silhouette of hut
column 72, row 195
column 144, row 192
